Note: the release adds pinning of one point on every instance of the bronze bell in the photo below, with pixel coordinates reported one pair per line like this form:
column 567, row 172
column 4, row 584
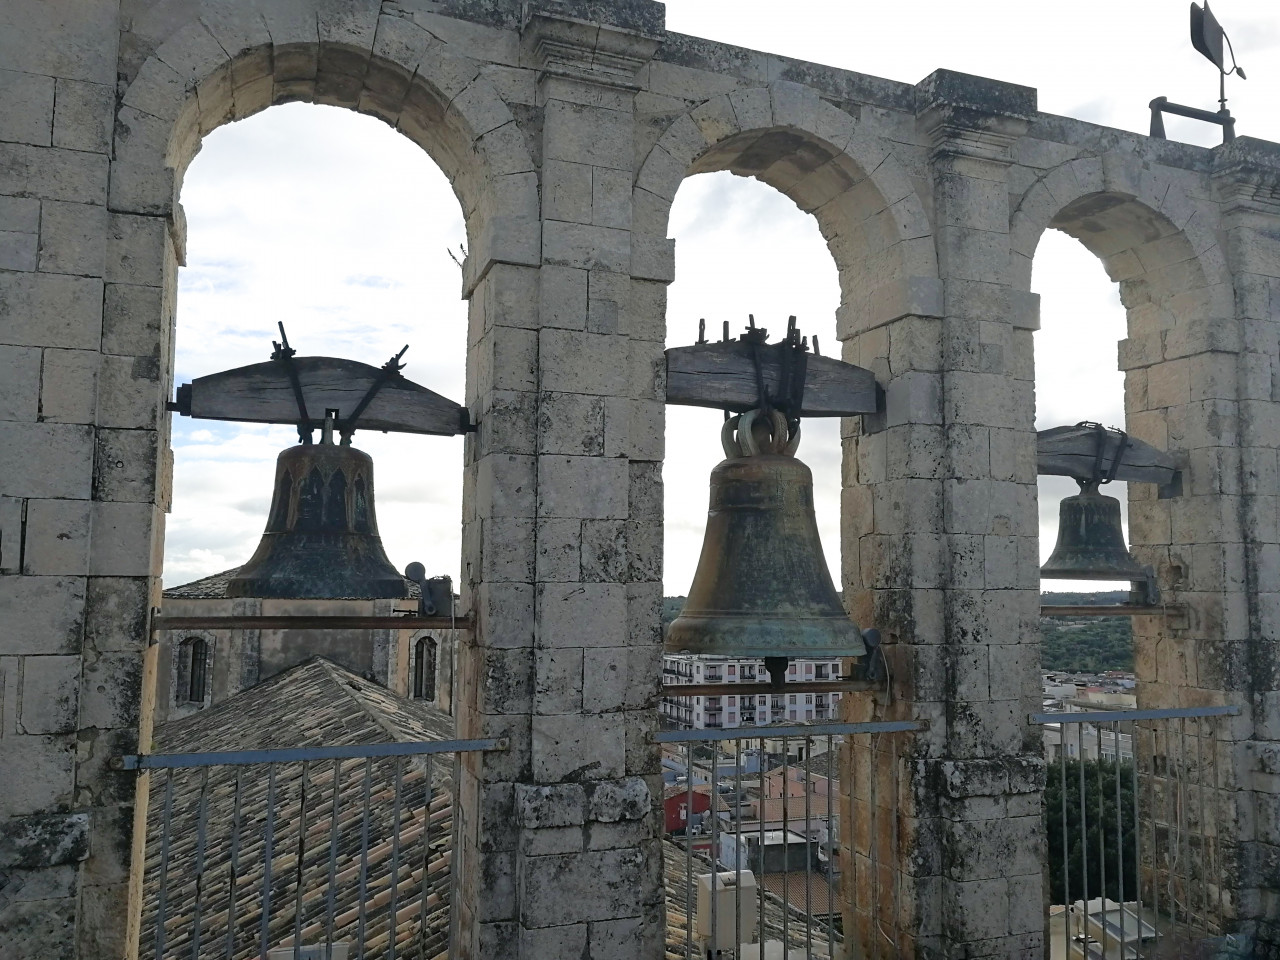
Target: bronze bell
column 322, row 538
column 762, row 588
column 1091, row 544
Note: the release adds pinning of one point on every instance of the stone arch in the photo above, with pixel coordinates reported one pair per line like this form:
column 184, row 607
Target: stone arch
column 1153, row 237
column 849, row 179
column 225, row 67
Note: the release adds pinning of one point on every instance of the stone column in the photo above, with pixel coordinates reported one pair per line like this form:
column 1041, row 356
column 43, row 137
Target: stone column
column 84, row 472
column 946, row 838
column 563, row 555
column 1208, row 388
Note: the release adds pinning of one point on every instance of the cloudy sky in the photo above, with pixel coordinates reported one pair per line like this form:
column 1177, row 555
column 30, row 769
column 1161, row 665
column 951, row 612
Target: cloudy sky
column 341, row 228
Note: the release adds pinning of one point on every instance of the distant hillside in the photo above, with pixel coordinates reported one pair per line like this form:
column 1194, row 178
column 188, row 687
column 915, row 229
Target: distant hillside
column 1073, row 644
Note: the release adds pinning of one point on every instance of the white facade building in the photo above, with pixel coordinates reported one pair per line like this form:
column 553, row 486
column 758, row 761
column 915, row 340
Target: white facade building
column 752, row 710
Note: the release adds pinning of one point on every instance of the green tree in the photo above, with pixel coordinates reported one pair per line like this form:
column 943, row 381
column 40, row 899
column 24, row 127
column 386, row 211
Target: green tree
column 1098, row 837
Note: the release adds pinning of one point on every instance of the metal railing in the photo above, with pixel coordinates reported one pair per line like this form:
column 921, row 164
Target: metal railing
column 1132, row 804
column 316, row 853
column 757, row 874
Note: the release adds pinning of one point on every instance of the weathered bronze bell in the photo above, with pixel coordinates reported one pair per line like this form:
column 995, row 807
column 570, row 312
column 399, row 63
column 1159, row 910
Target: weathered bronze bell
column 1091, row 544
column 322, row 537
column 762, row 588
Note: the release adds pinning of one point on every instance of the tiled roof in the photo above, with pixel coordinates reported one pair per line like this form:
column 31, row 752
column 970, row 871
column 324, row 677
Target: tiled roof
column 215, row 587
column 822, row 899
column 315, row 704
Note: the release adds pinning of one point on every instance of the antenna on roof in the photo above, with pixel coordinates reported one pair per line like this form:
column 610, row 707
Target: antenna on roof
column 1208, row 37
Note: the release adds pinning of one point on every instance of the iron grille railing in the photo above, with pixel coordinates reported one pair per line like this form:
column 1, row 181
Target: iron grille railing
column 1134, row 859
column 786, row 778
column 317, row 853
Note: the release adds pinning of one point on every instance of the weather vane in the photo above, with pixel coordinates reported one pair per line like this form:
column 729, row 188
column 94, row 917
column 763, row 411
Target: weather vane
column 1208, row 37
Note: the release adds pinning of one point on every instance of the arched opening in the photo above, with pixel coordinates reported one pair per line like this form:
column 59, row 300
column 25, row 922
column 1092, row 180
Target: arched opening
column 743, row 248
column 1077, row 379
column 339, row 227
column 424, row 669
column 1157, row 298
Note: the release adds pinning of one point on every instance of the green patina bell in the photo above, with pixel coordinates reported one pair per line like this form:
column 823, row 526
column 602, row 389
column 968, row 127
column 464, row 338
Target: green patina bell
column 762, row 588
column 322, row 538
column 1091, row 544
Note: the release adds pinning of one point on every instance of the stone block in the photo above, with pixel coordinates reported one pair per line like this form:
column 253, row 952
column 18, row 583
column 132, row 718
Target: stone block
column 36, row 924
column 581, row 615
column 914, row 398
column 57, row 538
column 571, row 423
column 69, row 386
column 132, row 319
column 56, row 311
column 82, row 115
column 125, row 539
column 111, row 691
column 653, row 258
column 11, row 519
column 50, row 695
column 591, row 886
column 605, row 679
column 26, row 108
column 585, row 134
column 141, row 188
column 507, row 549
column 73, row 238
column 586, row 246
column 125, row 465
column 562, row 298
column 604, row 553
column 40, row 842
column 507, row 686
column 630, row 937
column 558, row 687
column 18, row 251
column 19, row 383
column 505, row 486
column 556, row 805
column 46, row 765
column 611, row 198
column 586, row 487
column 129, row 392
column 568, row 940
column 505, row 614
column 616, row 800
column 577, row 748
column 117, row 612
column 559, row 550
column 506, row 359
column 64, row 468
column 574, row 362
column 44, row 615
column 136, row 248
column 51, row 173
column 567, row 191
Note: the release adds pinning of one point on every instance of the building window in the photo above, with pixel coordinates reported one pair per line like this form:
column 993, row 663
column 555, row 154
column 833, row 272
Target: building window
column 733, row 670
column 424, row 669
column 808, row 698
column 193, row 670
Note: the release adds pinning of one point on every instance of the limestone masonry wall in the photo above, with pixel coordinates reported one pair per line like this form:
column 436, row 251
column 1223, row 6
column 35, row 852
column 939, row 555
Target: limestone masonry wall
column 566, row 129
